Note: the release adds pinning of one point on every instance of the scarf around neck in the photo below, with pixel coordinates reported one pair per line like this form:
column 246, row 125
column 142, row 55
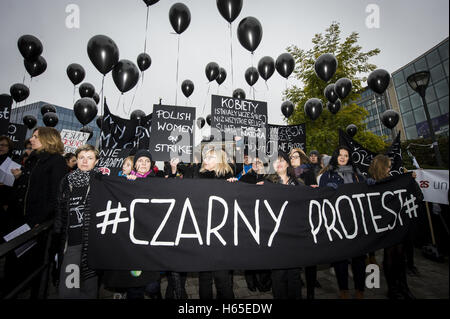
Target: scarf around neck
column 346, row 172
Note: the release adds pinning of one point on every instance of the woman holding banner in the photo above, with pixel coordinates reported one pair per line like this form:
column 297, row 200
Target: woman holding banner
column 286, row 283
column 394, row 265
column 342, row 171
column 69, row 226
column 215, row 166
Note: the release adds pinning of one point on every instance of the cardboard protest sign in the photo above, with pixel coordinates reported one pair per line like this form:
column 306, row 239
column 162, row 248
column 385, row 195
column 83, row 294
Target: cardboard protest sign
column 73, row 139
column 172, row 133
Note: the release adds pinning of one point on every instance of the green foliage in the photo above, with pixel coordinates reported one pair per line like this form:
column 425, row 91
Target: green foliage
column 322, row 134
column 425, row 155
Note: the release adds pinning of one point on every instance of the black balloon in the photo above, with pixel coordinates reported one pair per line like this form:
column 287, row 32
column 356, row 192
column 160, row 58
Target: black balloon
column 144, row 61
column 137, row 115
column 222, row 76
column 343, row 87
column 251, row 75
column 35, row 67
column 179, row 17
column 50, row 119
column 250, row 33
column 76, row 73
column 29, row 121
column 187, row 87
column 266, row 67
column 208, row 119
column 125, row 75
column 96, row 98
column 86, row 90
column 30, row 47
column 87, row 129
column 390, row 118
column 229, row 9
column 285, row 64
column 313, row 108
column 212, row 71
column 239, row 94
column 287, row 108
column 200, row 122
column 352, row 129
column 150, row 2
column 99, row 121
column 330, row 93
column 103, row 53
column 47, row 108
column 325, row 66
column 334, row 107
column 19, row 92
column 378, row 80
column 85, row 110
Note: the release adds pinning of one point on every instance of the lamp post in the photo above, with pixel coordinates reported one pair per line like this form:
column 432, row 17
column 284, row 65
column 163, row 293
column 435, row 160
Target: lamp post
column 419, row 83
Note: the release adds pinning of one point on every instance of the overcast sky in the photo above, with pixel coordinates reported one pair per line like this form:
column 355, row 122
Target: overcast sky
column 407, row 29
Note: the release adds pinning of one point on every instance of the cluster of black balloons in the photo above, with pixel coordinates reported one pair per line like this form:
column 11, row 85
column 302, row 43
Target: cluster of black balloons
column 31, row 49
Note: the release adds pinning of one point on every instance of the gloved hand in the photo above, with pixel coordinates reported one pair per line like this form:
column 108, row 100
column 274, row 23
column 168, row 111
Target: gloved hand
column 333, row 185
column 370, row 181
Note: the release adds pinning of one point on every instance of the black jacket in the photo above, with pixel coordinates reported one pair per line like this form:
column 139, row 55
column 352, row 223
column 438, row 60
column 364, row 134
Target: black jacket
column 40, row 201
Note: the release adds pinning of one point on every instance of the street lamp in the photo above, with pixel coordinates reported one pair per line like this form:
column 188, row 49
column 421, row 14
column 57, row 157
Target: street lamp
column 419, row 83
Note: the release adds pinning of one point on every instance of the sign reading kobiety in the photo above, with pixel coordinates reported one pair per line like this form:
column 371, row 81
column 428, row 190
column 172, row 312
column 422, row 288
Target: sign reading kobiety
column 202, row 225
column 172, row 133
column 239, row 117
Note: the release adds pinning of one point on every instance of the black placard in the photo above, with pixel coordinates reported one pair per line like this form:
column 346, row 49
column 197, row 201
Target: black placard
column 238, row 117
column 172, row 133
column 5, row 113
column 111, row 160
column 289, row 137
column 17, row 133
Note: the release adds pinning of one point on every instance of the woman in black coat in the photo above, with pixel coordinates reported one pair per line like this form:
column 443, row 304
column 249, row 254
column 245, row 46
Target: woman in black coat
column 339, row 171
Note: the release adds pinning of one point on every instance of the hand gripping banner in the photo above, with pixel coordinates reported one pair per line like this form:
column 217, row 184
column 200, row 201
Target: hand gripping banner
column 203, row 225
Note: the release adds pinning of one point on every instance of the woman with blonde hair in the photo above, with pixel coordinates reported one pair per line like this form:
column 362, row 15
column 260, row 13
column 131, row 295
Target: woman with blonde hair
column 127, row 166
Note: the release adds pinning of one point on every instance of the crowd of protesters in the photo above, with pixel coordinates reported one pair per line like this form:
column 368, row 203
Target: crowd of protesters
column 53, row 185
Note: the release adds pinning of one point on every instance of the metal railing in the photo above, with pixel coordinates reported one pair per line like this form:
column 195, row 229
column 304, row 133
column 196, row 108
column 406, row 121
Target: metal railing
column 42, row 271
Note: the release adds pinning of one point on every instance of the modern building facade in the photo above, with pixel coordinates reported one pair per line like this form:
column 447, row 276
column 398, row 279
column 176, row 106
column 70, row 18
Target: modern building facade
column 66, row 119
column 410, row 103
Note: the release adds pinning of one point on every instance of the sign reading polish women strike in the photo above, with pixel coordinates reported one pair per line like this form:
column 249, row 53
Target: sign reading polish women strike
column 239, row 117
column 172, row 133
column 204, row 225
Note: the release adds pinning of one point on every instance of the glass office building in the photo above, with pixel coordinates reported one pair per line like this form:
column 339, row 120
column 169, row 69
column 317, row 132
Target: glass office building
column 410, row 103
column 66, row 119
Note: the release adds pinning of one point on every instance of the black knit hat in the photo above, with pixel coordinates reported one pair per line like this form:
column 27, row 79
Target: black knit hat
column 314, row 152
column 142, row 153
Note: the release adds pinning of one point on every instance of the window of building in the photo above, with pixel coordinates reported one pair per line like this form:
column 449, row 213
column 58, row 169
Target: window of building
column 443, row 105
column 405, row 105
column 443, row 50
column 433, row 58
column 437, row 73
column 445, row 65
column 402, row 91
column 416, row 101
column 409, row 70
column 398, row 78
column 419, row 115
column 441, row 89
column 430, row 95
column 433, row 108
column 411, row 133
column 408, row 119
column 421, row 64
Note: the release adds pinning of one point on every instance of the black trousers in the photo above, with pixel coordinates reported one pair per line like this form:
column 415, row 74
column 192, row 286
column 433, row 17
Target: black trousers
column 286, row 284
column 394, row 265
column 359, row 273
column 311, row 278
column 223, row 280
column 176, row 282
column 260, row 279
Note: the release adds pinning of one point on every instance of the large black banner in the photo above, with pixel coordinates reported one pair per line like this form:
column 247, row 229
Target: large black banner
column 117, row 132
column 201, row 225
column 362, row 157
column 5, row 112
column 289, row 137
column 239, row 117
column 172, row 133
column 111, row 160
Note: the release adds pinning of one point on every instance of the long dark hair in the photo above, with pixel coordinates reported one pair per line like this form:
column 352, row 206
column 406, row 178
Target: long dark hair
column 333, row 165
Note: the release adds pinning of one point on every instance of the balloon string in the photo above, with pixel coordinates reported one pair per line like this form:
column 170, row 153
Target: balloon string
column 73, row 97
column 134, row 95
column 231, row 50
column 123, row 106
column 178, row 62
column 103, row 102
column 101, row 113
column 118, row 102
column 146, row 31
column 206, row 98
column 267, row 86
column 23, row 81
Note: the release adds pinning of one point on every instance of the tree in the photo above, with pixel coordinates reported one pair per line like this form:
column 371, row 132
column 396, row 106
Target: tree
column 322, row 134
